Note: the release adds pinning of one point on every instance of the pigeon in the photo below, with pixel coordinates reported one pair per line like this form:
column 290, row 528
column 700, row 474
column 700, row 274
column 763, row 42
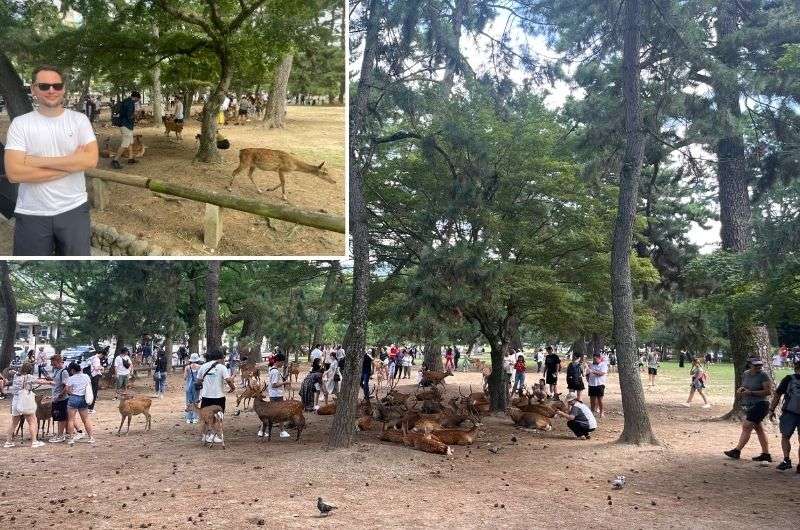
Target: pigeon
column 324, row 508
column 618, row 482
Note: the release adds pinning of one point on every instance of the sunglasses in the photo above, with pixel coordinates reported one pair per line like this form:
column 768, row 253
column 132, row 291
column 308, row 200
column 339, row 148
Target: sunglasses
column 44, row 87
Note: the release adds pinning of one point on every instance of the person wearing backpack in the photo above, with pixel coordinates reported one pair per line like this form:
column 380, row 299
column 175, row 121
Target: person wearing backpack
column 789, row 388
column 23, row 404
column 575, row 371
column 190, row 376
column 122, row 369
column 123, row 117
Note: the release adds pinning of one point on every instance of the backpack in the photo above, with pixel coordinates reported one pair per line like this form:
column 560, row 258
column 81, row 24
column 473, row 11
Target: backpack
column 126, row 363
column 573, row 373
column 116, row 114
column 791, row 401
column 198, row 384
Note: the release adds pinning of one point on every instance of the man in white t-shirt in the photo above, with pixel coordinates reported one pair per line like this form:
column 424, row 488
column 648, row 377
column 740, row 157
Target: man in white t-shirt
column 580, row 419
column 46, row 152
column 214, row 375
column 275, row 387
column 596, row 377
column 122, row 372
column 316, row 353
column 178, row 110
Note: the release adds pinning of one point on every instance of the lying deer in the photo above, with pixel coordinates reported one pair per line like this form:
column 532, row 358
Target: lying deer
column 274, row 160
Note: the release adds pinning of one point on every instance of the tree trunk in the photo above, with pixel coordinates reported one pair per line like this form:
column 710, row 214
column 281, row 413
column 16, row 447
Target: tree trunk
column 342, row 40
column 10, row 310
column 432, row 355
column 12, row 89
column 208, row 151
column 325, row 301
column 188, row 96
column 734, row 199
column 498, row 393
column 276, row 105
column 193, row 315
column 637, row 429
column 213, row 333
column 158, row 111
column 343, row 426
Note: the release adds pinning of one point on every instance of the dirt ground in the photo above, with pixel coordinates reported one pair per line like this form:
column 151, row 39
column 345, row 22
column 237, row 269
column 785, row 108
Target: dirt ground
column 315, row 134
column 164, row 478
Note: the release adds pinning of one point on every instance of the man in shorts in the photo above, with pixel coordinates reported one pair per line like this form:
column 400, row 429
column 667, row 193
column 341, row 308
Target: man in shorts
column 59, row 396
column 552, row 367
column 789, row 388
column 122, row 372
column 275, row 388
column 47, row 151
column 126, row 119
column 755, row 391
column 596, row 378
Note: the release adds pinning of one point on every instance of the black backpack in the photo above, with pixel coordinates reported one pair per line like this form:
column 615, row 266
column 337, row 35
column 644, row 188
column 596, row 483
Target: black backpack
column 573, row 373
column 116, row 114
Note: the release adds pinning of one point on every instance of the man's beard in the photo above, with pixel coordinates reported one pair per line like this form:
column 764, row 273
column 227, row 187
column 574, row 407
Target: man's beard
column 51, row 104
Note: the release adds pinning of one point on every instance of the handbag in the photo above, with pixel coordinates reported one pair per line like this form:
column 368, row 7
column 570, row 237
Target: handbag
column 26, row 401
column 88, row 394
column 198, row 384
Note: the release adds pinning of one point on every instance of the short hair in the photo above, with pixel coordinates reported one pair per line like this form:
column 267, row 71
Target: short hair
column 56, row 358
column 26, row 368
column 74, row 367
column 136, row 94
column 280, row 357
column 46, row 68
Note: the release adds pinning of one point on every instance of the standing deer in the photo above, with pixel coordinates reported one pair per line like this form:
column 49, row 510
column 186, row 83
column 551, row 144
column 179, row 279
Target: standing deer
column 274, row 160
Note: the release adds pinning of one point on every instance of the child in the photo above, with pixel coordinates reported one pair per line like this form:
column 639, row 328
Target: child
column 420, row 378
column 519, row 375
column 539, row 391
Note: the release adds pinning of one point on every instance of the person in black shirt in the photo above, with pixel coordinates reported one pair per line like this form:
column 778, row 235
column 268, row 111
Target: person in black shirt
column 789, row 388
column 366, row 372
column 552, row 367
column 125, row 121
column 160, row 372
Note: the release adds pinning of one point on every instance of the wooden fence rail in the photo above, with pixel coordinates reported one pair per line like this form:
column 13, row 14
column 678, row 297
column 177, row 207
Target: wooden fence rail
column 213, row 201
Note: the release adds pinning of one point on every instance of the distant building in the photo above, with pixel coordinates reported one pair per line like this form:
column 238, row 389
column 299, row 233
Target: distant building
column 31, row 331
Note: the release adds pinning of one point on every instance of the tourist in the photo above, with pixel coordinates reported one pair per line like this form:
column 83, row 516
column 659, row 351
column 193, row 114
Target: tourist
column 125, row 121
column 456, row 357
column 448, row 359
column 31, row 356
column 244, row 108
column 275, row 387
column 95, row 372
column 316, row 353
column 79, row 388
column 177, row 109
column 552, row 367
column 508, row 369
column 539, row 390
column 789, row 388
column 41, row 362
column 408, row 360
column 698, row 383
column 47, row 151
column 310, row 389
column 190, row 376
column 147, row 349
column 612, row 361
column 519, row 375
column 122, row 369
column 333, row 376
column 652, row 367
column 596, row 378
column 160, row 373
column 754, row 394
column 539, row 360
column 59, row 397
column 213, row 375
column 575, row 371
column 23, row 404
column 580, row 419
column 366, row 371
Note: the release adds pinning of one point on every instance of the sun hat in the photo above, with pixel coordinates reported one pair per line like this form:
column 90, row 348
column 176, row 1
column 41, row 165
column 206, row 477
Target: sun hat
column 194, row 358
column 572, row 397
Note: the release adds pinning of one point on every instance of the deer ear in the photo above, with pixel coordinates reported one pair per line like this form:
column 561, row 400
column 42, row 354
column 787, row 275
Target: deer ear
column 320, row 166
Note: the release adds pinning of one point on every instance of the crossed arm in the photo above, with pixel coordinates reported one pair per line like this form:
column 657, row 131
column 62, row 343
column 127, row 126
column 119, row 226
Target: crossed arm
column 21, row 167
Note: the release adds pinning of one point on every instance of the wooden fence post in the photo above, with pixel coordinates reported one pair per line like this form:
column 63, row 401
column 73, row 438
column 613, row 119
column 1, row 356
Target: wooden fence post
column 98, row 194
column 212, row 226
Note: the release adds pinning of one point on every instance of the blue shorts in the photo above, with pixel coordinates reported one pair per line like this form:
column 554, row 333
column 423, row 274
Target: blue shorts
column 77, row 402
column 789, row 423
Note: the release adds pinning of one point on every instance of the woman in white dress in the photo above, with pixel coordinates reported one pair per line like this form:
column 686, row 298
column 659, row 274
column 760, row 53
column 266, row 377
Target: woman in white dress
column 333, row 375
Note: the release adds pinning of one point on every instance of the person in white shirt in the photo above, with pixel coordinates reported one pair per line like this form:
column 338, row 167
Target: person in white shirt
column 78, row 403
column 508, row 368
column 223, row 109
column 96, row 366
column 41, row 361
column 316, row 353
column 333, row 375
column 121, row 370
column 46, row 152
column 214, row 375
column 580, row 419
column 596, row 377
column 275, row 388
column 177, row 110
column 340, row 353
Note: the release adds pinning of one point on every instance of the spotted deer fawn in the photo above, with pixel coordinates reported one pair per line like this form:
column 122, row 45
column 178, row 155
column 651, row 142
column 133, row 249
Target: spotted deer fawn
column 274, row 160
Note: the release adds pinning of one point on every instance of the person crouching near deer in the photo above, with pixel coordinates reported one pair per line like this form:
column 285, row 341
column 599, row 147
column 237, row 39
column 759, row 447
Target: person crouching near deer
column 213, row 375
column 580, row 419
column 275, row 386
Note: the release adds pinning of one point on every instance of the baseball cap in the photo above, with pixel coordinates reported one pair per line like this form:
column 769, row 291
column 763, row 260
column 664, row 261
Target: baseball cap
column 757, row 361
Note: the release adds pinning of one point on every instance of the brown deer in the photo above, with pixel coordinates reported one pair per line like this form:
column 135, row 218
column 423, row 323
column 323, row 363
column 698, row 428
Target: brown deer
column 274, row 160
column 171, row 126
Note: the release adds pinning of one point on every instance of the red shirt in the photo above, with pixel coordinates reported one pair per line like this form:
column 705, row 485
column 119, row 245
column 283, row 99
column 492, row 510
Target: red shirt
column 519, row 366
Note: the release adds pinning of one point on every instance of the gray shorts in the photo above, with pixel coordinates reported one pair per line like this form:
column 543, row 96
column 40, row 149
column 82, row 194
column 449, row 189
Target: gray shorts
column 65, row 234
column 122, row 381
column 789, row 424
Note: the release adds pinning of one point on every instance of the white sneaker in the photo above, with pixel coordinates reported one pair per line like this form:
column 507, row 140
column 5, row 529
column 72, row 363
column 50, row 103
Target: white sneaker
column 8, row 444
column 707, row 406
column 687, row 405
column 316, row 407
column 204, row 438
column 188, row 421
column 36, row 444
column 285, row 434
column 260, row 433
column 90, row 440
column 57, row 439
column 217, row 439
column 91, row 411
column 78, row 436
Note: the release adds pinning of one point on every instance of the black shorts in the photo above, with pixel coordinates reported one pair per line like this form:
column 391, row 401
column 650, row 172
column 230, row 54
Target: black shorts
column 551, row 378
column 207, row 402
column 756, row 413
column 242, row 112
column 597, row 391
column 60, row 410
column 652, row 371
column 578, row 385
column 65, row 234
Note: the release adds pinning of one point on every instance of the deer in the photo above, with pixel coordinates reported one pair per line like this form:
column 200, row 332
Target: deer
column 171, row 126
column 44, row 417
column 436, row 377
column 211, row 423
column 270, row 412
column 430, row 394
column 274, row 160
column 529, row 420
column 327, row 410
column 426, row 443
column 456, row 436
column 248, row 372
column 249, row 393
column 294, row 370
column 130, row 406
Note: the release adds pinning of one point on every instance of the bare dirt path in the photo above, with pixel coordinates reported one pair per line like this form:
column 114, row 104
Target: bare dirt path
column 165, row 479
column 315, row 134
